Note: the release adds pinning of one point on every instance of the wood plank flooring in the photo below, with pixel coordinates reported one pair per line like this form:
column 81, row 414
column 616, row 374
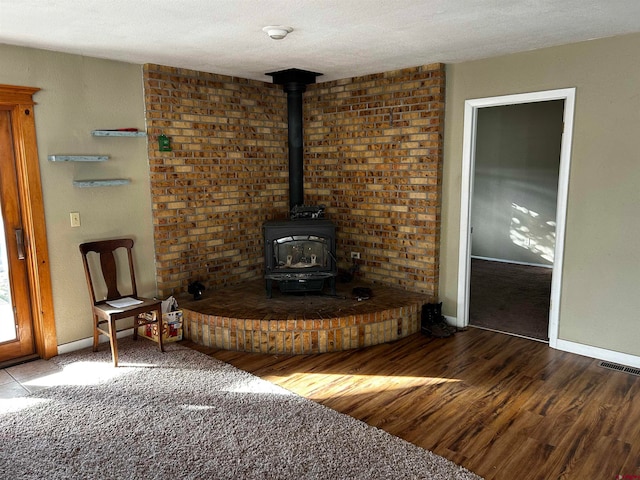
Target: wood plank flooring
column 503, row 407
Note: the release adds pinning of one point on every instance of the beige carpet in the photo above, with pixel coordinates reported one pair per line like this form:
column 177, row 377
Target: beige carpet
column 183, row 415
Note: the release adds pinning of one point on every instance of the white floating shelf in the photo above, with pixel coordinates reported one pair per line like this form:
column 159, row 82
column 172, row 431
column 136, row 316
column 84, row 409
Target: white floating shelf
column 117, row 133
column 78, row 158
column 112, row 182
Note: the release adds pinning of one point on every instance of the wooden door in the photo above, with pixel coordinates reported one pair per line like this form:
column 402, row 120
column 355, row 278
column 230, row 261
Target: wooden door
column 16, row 104
column 16, row 323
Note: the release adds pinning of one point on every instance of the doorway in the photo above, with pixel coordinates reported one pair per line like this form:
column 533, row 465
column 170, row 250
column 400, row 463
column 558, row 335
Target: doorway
column 513, row 215
column 515, row 207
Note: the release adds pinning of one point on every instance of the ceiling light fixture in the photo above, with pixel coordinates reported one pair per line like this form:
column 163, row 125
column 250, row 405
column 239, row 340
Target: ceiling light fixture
column 277, row 32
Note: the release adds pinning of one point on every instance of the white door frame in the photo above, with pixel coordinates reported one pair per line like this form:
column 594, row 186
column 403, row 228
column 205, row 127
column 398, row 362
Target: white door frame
column 468, row 166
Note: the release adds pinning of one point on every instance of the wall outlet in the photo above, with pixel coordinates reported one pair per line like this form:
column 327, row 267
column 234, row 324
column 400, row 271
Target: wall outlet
column 75, row 219
column 355, row 255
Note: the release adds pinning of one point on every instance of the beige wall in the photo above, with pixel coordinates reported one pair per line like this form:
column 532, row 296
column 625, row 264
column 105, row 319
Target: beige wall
column 600, row 297
column 79, row 95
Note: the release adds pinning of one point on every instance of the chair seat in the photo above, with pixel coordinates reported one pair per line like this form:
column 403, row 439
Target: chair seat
column 104, row 310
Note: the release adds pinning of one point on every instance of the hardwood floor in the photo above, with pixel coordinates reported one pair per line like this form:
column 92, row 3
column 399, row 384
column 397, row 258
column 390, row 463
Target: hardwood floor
column 503, row 407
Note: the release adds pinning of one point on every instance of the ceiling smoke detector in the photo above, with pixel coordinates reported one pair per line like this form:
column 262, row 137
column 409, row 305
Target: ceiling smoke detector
column 277, row 32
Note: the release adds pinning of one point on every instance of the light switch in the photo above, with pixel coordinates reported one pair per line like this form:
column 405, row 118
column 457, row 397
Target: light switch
column 75, row 219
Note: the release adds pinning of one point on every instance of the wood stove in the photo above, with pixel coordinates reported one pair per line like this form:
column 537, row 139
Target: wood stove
column 300, row 255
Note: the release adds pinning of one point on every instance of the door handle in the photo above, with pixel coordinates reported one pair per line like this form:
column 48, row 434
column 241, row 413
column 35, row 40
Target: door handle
column 20, row 243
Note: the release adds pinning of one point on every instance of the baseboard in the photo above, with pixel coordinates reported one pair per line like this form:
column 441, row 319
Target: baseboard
column 452, row 321
column 599, row 353
column 584, row 350
column 88, row 342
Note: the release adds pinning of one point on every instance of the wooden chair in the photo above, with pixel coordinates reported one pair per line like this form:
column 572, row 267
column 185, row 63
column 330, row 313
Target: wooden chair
column 146, row 312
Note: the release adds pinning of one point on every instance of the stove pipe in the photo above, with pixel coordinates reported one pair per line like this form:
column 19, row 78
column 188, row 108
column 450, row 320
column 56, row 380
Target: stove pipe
column 294, row 82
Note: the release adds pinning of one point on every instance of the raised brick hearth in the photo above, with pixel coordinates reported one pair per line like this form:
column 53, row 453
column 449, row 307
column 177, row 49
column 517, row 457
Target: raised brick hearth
column 242, row 318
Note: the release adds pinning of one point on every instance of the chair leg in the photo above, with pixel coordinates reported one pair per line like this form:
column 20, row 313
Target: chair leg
column 113, row 340
column 96, row 333
column 160, row 325
column 135, row 327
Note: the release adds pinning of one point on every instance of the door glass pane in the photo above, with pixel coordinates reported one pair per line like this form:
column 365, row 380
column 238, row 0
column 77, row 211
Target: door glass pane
column 7, row 320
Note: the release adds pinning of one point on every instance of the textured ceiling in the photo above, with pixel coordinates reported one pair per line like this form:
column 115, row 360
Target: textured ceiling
column 340, row 38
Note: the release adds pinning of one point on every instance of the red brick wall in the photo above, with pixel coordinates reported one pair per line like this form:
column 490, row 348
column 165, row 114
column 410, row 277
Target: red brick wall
column 373, row 156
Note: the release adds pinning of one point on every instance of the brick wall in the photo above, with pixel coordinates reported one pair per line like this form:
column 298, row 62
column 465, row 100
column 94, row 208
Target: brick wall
column 226, row 174
column 373, row 156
